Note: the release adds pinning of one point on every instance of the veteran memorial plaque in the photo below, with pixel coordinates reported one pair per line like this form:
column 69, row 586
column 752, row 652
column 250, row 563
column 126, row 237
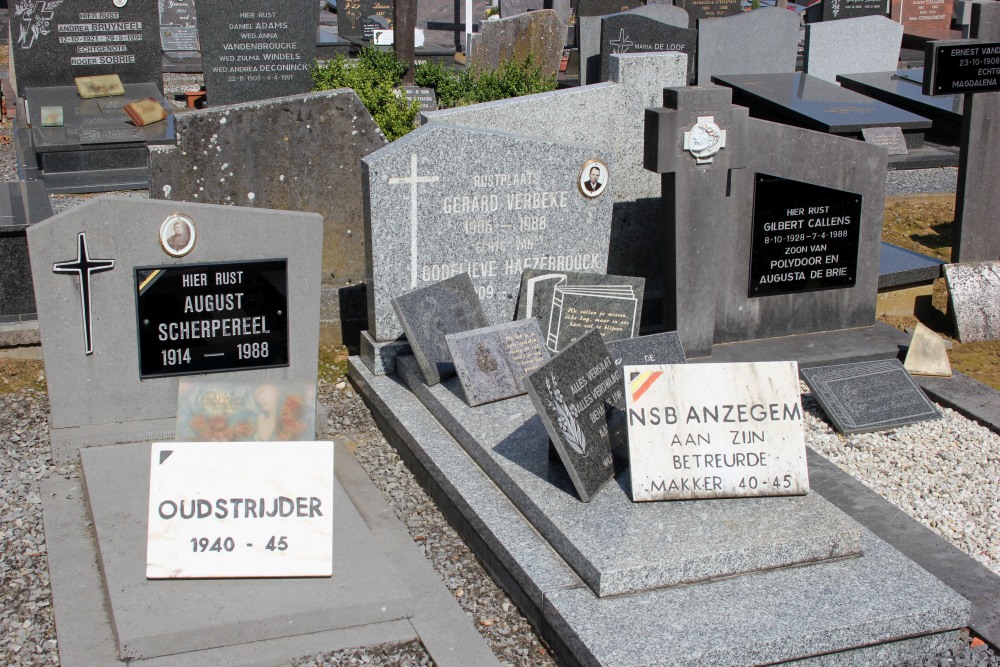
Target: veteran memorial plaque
column 715, row 431
column 226, row 510
column 209, row 318
column 962, row 66
column 805, row 237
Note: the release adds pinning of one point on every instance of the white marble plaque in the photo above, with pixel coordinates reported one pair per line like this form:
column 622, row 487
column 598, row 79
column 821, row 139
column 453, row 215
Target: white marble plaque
column 715, row 431
column 228, row 510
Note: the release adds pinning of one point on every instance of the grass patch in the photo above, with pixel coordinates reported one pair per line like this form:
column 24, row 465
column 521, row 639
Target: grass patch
column 332, row 363
column 18, row 374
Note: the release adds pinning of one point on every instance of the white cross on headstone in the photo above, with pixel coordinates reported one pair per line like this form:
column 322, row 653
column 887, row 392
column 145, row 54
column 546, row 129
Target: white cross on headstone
column 413, row 179
column 623, row 44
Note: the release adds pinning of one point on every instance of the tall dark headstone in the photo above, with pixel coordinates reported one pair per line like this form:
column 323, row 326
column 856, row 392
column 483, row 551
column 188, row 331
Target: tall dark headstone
column 632, row 33
column 352, row 15
column 53, row 42
column 256, row 49
column 178, row 25
column 709, row 9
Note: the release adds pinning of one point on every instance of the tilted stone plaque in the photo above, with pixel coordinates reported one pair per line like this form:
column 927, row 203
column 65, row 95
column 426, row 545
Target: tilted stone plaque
column 715, row 431
column 805, row 237
column 227, row 510
column 974, row 299
column 491, row 362
column 430, row 313
column 256, row 49
column 569, row 304
column 869, row 396
column 578, row 394
column 661, row 348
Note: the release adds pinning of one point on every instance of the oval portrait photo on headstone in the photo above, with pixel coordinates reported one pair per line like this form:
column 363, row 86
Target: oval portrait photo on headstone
column 177, row 235
column 594, row 178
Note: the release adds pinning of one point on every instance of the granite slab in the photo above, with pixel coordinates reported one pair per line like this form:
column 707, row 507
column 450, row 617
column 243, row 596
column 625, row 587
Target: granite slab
column 915, row 618
column 869, row 396
column 856, row 44
column 902, row 89
column 661, row 348
column 492, row 361
column 974, row 299
column 617, row 546
column 899, row 266
column 22, row 203
column 163, row 617
column 815, row 104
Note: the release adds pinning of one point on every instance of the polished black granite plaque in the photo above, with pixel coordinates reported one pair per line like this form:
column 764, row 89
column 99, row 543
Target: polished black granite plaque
column 903, row 89
column 962, row 66
column 211, row 318
column 815, row 104
column 805, row 237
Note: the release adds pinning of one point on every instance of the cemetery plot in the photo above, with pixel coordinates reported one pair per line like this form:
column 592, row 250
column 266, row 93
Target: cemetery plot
column 805, row 237
column 256, row 49
column 491, row 362
column 569, row 304
column 225, row 510
column 210, row 318
column 578, row 394
column 869, row 396
column 715, row 431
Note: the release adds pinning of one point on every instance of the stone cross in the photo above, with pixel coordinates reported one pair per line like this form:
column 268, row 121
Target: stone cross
column 84, row 267
column 695, row 143
column 976, row 232
column 412, row 180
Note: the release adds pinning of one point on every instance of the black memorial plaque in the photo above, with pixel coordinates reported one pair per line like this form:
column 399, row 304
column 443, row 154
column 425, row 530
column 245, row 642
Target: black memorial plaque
column 211, row 318
column 852, row 9
column 962, row 66
column 805, row 237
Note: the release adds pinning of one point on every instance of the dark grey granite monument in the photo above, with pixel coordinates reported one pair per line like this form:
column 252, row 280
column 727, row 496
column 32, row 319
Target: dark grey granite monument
column 589, row 34
column 832, row 10
column 628, row 32
column 351, row 16
column 580, row 397
column 251, row 155
column 179, row 36
column 869, row 396
column 568, row 304
column 709, row 9
column 430, row 313
column 22, row 203
column 491, row 362
column 256, row 49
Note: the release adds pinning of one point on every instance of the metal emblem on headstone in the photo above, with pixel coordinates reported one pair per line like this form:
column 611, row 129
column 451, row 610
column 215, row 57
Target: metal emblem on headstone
column 704, row 140
column 177, row 235
column 84, row 267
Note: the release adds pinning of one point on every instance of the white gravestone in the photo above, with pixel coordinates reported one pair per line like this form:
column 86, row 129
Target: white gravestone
column 228, row 510
column 715, row 431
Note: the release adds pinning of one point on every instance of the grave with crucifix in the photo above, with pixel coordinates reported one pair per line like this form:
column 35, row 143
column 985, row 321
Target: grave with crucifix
column 445, row 200
column 85, row 145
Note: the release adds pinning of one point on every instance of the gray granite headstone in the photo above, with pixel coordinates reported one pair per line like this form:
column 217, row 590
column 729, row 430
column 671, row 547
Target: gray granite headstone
column 863, row 44
column 256, row 49
column 579, row 394
column 98, row 397
column 661, row 348
column 733, row 45
column 430, row 313
column 22, row 203
column 629, row 32
column 54, row 41
column 589, row 31
column 869, row 396
column 974, row 299
column 253, row 154
column 447, row 200
column 569, row 304
column 492, row 361
column 540, row 34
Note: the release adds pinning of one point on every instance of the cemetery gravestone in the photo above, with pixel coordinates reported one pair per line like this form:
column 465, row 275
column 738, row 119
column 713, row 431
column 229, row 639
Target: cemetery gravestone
column 570, row 304
column 256, row 49
column 927, row 19
column 732, row 45
column 709, row 9
column 55, row 41
column 540, row 34
column 868, row 396
column 445, row 200
column 863, row 44
column 890, row 138
column 849, row 9
column 715, row 431
column 430, row 313
column 588, row 30
column 22, row 204
column 92, row 266
column 249, row 155
column 578, row 395
column 426, row 97
column 974, row 299
column 632, row 33
column 662, row 348
column 178, row 25
column 492, row 361
column 351, row 16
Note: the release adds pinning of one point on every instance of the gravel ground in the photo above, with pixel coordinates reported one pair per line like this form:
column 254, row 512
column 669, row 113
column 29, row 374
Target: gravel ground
column 942, row 473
